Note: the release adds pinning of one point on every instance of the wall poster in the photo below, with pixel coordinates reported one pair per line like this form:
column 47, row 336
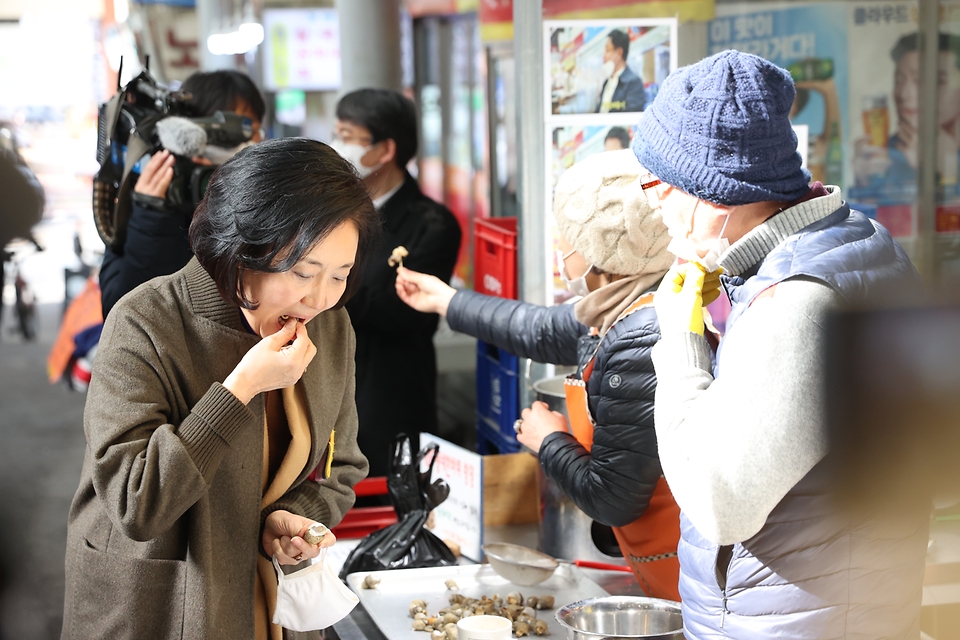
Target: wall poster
column 600, row 75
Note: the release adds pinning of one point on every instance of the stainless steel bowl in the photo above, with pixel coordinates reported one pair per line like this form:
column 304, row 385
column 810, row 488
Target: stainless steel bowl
column 519, row 565
column 621, row 617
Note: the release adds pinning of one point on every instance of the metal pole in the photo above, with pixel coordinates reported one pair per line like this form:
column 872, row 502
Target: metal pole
column 493, row 122
column 531, row 170
column 925, row 258
column 370, row 44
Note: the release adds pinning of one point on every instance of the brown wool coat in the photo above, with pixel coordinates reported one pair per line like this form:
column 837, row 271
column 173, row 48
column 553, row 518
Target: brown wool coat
column 165, row 527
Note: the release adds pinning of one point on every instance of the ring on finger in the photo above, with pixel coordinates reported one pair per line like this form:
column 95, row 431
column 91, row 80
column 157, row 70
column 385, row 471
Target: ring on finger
column 298, row 557
column 518, row 425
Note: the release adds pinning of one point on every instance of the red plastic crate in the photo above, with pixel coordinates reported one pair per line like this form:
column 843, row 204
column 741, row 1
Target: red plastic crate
column 361, row 521
column 495, row 257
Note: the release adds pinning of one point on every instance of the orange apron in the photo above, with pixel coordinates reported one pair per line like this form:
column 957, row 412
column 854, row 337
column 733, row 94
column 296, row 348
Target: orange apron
column 649, row 543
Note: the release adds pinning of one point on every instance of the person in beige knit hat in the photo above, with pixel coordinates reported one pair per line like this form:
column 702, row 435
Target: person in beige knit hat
column 612, row 252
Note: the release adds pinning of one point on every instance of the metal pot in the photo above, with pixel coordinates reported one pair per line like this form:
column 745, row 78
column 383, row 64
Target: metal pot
column 565, row 530
column 622, row 617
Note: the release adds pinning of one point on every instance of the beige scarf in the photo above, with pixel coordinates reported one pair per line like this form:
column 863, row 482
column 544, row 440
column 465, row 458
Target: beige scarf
column 294, row 461
column 602, row 307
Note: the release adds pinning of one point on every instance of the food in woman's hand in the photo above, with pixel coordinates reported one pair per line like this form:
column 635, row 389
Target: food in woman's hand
column 396, row 258
column 315, row 534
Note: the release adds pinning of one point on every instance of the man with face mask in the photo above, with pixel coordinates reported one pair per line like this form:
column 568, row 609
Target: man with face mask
column 622, row 89
column 766, row 549
column 156, row 242
column 376, row 130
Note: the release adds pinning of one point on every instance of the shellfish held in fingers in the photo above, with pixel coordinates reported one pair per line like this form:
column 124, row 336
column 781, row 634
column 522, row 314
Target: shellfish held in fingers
column 397, row 256
column 315, row 535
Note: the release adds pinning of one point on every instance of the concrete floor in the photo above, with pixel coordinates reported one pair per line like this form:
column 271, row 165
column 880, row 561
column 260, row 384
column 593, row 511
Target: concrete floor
column 42, row 433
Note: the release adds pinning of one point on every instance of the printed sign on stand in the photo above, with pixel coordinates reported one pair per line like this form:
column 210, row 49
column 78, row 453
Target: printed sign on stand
column 485, row 491
column 460, row 517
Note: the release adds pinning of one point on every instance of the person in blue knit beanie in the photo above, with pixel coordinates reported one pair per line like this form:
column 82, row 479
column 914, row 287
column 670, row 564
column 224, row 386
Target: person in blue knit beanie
column 767, row 549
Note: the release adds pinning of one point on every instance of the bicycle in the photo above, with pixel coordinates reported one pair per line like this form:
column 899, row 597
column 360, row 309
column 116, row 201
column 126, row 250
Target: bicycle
column 28, row 323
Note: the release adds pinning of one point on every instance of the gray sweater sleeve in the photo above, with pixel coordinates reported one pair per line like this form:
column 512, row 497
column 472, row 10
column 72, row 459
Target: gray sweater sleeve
column 733, row 446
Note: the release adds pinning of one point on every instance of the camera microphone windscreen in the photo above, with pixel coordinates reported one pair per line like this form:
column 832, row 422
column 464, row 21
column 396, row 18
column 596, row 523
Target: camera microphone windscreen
column 181, row 137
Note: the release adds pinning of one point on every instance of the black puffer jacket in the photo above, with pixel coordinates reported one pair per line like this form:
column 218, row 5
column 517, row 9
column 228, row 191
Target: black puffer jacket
column 613, row 483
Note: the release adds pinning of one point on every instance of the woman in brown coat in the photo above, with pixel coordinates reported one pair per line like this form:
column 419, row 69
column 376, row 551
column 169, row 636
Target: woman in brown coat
column 216, row 391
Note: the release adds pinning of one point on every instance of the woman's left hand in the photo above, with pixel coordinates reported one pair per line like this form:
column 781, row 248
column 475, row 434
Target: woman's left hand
column 538, row 423
column 283, row 537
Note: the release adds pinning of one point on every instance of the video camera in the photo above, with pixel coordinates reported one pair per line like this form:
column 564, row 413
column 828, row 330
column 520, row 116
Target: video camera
column 142, row 118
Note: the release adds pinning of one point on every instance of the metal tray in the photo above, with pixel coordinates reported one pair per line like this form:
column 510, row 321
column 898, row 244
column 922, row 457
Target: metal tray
column 389, row 603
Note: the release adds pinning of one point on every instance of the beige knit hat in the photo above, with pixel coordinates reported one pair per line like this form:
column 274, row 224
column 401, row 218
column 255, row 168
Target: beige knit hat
column 602, row 212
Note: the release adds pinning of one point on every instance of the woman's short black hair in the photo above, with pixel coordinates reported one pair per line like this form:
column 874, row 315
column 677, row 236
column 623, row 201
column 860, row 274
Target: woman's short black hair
column 385, row 114
column 221, row 90
column 271, row 204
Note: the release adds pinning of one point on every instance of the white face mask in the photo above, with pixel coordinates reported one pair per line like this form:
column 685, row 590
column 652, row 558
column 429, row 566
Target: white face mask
column 576, row 286
column 352, row 153
column 607, row 69
column 683, row 247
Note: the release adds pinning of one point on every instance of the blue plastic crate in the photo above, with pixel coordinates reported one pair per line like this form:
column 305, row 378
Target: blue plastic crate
column 490, row 439
column 498, row 386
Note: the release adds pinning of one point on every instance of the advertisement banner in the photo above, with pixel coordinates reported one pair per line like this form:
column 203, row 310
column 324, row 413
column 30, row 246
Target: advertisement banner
column 810, row 41
column 607, row 67
column 601, row 75
column 496, row 16
column 885, row 110
column 301, row 50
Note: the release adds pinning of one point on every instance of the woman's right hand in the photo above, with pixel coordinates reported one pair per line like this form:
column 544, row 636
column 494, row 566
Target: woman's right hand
column 273, row 363
column 424, row 292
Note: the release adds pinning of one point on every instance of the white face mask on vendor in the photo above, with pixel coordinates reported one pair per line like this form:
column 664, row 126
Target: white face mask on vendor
column 576, row 286
column 685, row 249
column 353, row 153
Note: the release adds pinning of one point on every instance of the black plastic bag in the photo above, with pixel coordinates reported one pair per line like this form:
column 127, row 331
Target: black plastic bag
column 406, row 544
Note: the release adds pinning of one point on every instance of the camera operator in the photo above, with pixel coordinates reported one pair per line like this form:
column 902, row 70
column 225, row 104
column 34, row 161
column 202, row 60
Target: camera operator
column 156, row 241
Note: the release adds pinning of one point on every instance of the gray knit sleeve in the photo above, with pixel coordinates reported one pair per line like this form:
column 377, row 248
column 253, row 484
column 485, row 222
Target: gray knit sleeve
column 732, row 447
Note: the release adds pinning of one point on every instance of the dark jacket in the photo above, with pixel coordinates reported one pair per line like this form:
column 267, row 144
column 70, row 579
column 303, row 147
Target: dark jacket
column 629, row 95
column 612, row 483
column 815, row 569
column 396, row 361
column 157, row 245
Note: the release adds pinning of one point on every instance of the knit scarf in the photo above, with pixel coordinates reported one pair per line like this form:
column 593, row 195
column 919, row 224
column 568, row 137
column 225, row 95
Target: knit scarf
column 296, row 458
column 602, row 307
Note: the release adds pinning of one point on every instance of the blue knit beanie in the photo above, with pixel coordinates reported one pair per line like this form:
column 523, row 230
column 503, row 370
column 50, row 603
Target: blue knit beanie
column 720, row 131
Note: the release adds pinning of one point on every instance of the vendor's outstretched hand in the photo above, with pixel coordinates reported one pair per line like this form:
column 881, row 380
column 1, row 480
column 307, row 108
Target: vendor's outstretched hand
column 424, row 292
column 682, row 294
